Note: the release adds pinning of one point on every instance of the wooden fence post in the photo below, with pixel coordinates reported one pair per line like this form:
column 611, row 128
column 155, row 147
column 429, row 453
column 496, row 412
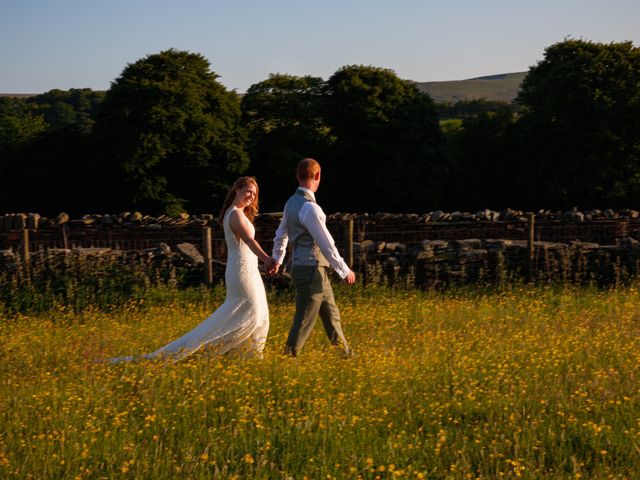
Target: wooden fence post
column 25, row 249
column 207, row 253
column 65, row 240
column 348, row 242
column 360, row 231
column 25, row 244
column 531, row 226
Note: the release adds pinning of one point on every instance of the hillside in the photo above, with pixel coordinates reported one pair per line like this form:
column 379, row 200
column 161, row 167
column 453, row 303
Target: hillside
column 18, row 95
column 503, row 87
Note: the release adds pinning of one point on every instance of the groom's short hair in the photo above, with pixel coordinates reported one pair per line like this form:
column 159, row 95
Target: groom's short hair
column 307, row 168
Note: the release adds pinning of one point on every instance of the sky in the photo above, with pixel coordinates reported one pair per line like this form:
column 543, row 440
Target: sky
column 63, row 44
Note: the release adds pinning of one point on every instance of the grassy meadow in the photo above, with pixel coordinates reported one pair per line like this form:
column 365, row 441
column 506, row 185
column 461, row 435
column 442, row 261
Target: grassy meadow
column 523, row 382
column 504, row 87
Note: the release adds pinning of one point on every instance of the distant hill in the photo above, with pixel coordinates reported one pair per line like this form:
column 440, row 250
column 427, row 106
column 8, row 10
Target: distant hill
column 503, row 87
column 18, row 95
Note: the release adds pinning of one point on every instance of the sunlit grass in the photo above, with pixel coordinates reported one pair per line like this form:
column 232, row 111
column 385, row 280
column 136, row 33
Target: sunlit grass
column 523, row 383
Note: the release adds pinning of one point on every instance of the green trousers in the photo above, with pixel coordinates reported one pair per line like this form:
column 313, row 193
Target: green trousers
column 314, row 296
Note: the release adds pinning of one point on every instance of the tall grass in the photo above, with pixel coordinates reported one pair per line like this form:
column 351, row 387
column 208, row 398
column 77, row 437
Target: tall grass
column 526, row 382
column 79, row 281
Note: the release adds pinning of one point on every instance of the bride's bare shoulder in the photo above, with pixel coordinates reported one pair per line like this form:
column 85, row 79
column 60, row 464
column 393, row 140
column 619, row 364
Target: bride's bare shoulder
column 235, row 214
column 238, row 220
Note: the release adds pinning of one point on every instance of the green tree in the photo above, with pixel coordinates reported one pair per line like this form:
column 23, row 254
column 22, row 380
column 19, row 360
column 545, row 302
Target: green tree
column 17, row 123
column 17, row 127
column 173, row 131
column 472, row 108
column 484, row 172
column 283, row 116
column 387, row 142
column 581, row 123
column 57, row 161
column 36, row 158
column 74, row 108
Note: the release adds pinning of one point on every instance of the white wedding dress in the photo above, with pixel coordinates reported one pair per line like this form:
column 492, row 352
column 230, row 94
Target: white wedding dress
column 242, row 321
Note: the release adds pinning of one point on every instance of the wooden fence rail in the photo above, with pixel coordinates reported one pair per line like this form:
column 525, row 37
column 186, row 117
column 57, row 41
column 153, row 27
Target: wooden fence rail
column 348, row 234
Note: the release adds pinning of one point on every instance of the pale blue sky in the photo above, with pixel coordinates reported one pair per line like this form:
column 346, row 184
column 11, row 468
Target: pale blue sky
column 46, row 44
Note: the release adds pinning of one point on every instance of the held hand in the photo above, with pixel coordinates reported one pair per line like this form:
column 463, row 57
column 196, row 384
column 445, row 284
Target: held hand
column 276, row 267
column 268, row 265
column 350, row 278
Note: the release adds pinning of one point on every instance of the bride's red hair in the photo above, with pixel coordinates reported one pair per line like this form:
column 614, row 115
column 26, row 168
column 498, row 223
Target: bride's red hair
column 250, row 210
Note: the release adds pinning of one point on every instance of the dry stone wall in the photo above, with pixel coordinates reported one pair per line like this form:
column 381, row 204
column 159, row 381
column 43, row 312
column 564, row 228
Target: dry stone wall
column 431, row 249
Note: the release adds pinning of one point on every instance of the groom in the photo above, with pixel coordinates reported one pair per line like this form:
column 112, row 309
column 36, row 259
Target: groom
column 314, row 250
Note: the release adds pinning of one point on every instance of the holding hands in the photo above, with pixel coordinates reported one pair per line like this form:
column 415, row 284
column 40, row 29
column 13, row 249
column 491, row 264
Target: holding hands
column 271, row 266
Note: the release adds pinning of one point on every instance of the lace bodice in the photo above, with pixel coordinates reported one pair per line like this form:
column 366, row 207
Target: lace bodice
column 238, row 253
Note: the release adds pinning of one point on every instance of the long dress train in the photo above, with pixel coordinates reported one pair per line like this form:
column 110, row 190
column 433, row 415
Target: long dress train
column 241, row 322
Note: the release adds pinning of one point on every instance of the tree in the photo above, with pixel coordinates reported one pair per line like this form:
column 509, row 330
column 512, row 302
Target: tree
column 484, row 172
column 581, row 123
column 74, row 108
column 387, row 142
column 17, row 127
column 472, row 108
column 283, row 115
column 17, row 123
column 173, row 131
column 36, row 157
column 53, row 172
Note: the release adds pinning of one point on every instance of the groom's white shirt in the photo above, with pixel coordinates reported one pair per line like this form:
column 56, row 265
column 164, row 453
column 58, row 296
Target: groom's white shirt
column 314, row 220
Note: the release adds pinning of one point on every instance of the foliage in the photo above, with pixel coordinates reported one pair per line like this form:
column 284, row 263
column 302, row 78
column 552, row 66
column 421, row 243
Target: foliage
column 472, row 108
column 387, row 140
column 75, row 281
column 71, row 108
column 283, row 115
column 44, row 143
column 523, row 383
column 173, row 131
column 169, row 136
column 579, row 130
column 17, row 123
column 483, row 169
column 55, row 172
column 22, row 119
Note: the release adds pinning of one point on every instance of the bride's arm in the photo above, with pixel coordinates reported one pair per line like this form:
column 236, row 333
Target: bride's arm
column 241, row 229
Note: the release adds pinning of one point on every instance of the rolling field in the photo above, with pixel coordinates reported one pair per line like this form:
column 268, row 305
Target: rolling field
column 531, row 383
column 503, row 87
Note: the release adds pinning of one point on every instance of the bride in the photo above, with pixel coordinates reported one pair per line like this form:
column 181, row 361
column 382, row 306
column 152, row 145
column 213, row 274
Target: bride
column 242, row 321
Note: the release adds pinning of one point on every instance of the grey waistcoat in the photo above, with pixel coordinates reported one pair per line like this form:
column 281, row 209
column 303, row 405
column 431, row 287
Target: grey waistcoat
column 305, row 250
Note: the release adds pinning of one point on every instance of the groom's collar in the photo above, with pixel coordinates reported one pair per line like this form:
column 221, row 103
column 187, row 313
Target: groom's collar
column 307, row 191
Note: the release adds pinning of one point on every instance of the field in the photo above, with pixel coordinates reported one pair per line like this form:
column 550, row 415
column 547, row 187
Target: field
column 525, row 382
column 494, row 87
